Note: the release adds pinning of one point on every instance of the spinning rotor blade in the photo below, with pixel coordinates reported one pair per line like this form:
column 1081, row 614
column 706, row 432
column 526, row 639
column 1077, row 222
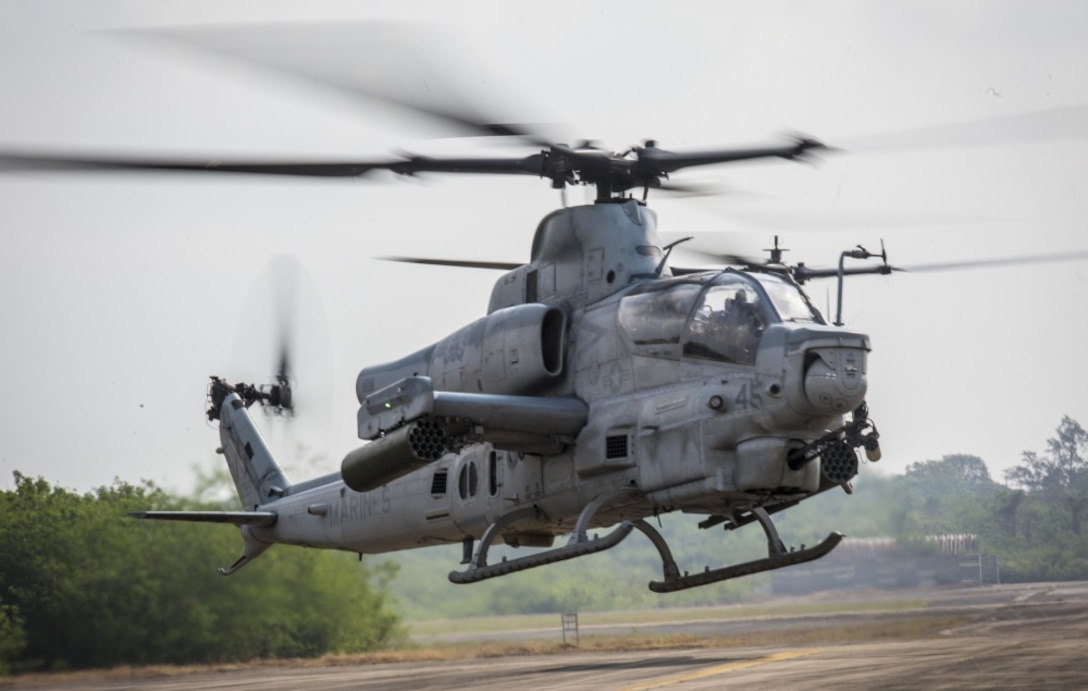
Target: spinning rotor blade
column 281, row 340
column 525, row 165
column 562, row 165
column 693, row 189
column 18, row 161
column 1069, row 122
column 804, row 273
column 285, row 273
column 34, row 162
column 406, row 65
column 1005, row 261
column 655, row 161
column 719, row 258
column 468, row 264
column 414, row 75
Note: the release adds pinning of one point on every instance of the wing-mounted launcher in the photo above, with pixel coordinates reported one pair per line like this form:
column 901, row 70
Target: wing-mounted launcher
column 410, row 425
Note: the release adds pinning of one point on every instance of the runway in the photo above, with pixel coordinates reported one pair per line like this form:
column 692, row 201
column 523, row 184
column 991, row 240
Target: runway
column 1013, row 637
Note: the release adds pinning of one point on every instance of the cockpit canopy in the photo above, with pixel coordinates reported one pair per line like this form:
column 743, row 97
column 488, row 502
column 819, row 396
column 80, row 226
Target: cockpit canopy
column 720, row 319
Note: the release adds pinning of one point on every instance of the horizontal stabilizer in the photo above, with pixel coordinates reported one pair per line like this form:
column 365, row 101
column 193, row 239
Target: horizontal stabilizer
column 258, row 518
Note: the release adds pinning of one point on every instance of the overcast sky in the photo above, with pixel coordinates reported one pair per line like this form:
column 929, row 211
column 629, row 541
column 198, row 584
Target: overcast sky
column 122, row 293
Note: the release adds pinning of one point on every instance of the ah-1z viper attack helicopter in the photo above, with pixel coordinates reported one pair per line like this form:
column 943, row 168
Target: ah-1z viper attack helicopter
column 603, row 387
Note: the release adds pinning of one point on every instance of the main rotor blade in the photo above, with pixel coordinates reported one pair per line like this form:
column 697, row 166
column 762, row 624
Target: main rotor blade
column 466, row 263
column 655, row 161
column 411, row 66
column 522, row 165
column 692, row 189
column 25, row 161
column 1068, row 122
column 1002, row 261
column 717, row 258
column 807, row 273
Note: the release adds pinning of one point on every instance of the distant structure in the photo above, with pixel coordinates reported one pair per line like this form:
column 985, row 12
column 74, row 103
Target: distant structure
column 884, row 562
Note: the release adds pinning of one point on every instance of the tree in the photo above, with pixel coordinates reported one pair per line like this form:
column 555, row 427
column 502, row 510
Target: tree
column 81, row 585
column 953, row 475
column 12, row 636
column 947, row 496
column 1060, row 472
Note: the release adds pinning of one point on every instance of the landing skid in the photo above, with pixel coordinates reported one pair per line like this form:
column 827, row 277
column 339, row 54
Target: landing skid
column 777, row 557
column 775, row 561
column 580, row 545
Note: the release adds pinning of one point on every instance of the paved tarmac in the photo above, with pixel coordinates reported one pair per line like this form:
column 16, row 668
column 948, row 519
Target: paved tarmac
column 1017, row 637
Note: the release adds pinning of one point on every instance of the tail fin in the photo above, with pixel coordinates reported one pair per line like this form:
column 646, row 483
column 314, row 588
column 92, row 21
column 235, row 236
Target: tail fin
column 257, row 478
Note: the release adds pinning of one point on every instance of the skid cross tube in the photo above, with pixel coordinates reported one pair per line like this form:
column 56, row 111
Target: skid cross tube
column 579, row 544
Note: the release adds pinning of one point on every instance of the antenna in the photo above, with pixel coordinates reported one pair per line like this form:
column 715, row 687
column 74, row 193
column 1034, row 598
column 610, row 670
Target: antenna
column 668, row 250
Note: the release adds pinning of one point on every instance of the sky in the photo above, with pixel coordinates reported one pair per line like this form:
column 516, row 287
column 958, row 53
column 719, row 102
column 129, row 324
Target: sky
column 121, row 294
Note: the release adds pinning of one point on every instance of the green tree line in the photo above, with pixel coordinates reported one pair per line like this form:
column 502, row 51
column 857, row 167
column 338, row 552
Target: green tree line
column 82, row 585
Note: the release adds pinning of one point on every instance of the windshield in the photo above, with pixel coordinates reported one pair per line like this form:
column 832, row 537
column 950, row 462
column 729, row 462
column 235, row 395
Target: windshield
column 655, row 320
column 789, row 301
column 722, row 321
column 728, row 321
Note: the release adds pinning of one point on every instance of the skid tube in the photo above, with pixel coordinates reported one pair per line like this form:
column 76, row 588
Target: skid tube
column 775, row 561
column 777, row 557
column 581, row 545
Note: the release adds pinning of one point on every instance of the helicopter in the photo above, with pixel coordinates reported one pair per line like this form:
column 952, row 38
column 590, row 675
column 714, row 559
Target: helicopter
column 603, row 387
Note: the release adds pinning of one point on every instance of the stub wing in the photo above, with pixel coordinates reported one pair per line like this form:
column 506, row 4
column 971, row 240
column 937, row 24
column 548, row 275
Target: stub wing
column 413, row 398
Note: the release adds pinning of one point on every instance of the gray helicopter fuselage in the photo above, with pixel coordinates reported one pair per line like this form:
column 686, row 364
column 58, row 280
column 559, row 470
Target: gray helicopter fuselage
column 595, row 374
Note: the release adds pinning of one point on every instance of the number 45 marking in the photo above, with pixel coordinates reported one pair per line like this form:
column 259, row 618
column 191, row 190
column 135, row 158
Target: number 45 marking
column 748, row 397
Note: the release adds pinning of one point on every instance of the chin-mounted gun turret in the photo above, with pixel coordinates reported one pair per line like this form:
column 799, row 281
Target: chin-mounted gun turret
column 275, row 399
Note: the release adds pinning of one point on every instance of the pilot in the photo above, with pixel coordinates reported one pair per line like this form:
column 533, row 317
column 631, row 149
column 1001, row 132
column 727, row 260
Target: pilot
column 740, row 326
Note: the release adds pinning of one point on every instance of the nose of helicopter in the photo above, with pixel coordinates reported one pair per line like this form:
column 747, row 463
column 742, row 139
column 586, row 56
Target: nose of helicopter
column 835, row 379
